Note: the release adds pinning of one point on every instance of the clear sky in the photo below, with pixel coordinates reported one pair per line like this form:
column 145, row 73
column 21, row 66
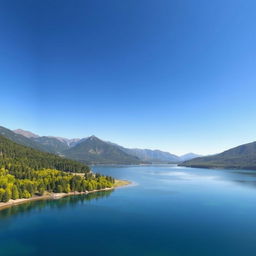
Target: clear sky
column 177, row 75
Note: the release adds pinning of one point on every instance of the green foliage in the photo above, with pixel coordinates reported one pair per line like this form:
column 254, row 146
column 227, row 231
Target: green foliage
column 15, row 192
column 47, row 180
column 25, row 172
column 6, row 195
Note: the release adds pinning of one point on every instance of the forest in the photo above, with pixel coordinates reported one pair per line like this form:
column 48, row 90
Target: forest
column 26, row 172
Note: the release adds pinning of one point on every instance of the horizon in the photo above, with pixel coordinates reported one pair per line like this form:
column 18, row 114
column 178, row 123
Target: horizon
column 157, row 75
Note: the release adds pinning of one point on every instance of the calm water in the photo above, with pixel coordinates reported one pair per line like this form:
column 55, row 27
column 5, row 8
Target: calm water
column 169, row 211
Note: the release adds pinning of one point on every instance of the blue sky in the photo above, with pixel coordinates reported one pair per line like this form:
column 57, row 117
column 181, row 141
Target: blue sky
column 173, row 75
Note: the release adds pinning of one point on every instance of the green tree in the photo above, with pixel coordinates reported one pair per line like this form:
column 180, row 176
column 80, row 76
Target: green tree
column 15, row 192
column 6, row 196
column 2, row 191
column 26, row 194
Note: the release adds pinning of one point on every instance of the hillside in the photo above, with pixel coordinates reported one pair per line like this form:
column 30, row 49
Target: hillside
column 188, row 157
column 26, row 172
column 156, row 156
column 29, row 158
column 52, row 144
column 48, row 143
column 149, row 155
column 95, row 151
column 20, row 139
column 27, row 134
column 241, row 157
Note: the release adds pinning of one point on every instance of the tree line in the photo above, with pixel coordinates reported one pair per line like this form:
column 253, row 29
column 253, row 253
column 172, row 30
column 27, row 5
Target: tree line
column 25, row 172
column 48, row 180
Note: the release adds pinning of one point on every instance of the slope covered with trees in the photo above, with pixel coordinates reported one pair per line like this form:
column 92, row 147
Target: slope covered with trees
column 20, row 139
column 241, row 157
column 96, row 151
column 25, row 172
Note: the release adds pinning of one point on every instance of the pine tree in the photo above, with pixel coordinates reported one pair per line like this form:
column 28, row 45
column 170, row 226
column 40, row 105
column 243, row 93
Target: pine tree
column 6, row 196
column 15, row 192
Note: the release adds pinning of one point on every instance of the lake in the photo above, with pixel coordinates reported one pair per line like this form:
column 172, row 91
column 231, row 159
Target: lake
column 167, row 211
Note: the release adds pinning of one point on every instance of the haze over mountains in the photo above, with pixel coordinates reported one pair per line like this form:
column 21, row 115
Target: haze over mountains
column 95, row 150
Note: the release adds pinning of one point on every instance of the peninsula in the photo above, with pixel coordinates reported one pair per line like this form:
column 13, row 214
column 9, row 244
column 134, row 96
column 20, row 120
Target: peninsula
column 28, row 174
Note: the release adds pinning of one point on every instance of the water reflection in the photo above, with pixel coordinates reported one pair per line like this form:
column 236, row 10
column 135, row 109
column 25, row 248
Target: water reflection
column 243, row 178
column 69, row 201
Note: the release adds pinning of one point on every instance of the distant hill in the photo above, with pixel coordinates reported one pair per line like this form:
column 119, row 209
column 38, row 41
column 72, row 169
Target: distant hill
column 48, row 139
column 153, row 156
column 27, row 134
column 20, row 139
column 188, row 156
column 156, row 156
column 96, row 151
column 241, row 157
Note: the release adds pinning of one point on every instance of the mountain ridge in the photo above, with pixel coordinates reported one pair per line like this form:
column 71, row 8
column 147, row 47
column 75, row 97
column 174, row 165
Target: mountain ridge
column 25, row 133
column 240, row 157
column 97, row 151
column 63, row 146
column 20, row 139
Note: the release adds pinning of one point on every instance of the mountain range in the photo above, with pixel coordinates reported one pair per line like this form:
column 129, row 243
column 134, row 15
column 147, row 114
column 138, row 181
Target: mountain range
column 92, row 150
column 241, row 157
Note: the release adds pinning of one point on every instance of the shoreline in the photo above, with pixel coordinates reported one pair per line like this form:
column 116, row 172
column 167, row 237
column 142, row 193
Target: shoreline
column 56, row 196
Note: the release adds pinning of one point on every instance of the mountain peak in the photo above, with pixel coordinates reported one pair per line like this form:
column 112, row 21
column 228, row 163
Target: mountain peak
column 95, row 150
column 25, row 133
column 93, row 137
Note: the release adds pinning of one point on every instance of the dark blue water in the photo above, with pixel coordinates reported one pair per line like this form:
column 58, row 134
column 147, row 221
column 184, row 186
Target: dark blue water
column 169, row 211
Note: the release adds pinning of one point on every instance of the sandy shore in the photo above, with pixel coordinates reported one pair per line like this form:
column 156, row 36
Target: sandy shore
column 118, row 183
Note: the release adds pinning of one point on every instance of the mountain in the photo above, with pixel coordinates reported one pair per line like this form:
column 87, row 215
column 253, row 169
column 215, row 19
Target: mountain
column 153, row 156
column 87, row 153
column 27, row 134
column 14, row 154
column 156, row 156
column 241, row 157
column 188, row 156
column 52, row 144
column 95, row 151
column 69, row 142
column 20, row 139
column 46, row 143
